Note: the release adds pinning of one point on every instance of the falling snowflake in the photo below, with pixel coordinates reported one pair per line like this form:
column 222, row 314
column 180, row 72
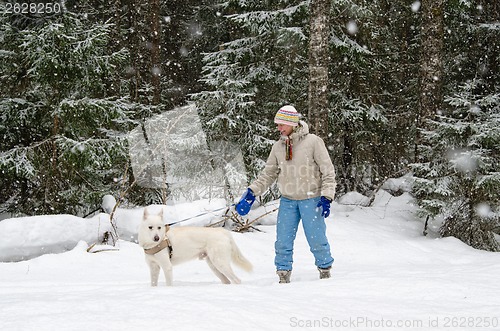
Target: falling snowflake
column 415, row 7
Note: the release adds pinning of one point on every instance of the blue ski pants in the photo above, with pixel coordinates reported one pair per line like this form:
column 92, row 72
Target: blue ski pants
column 289, row 215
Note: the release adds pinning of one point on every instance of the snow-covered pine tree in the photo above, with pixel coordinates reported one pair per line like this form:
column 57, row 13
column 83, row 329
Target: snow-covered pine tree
column 261, row 66
column 458, row 189
column 362, row 79
column 62, row 145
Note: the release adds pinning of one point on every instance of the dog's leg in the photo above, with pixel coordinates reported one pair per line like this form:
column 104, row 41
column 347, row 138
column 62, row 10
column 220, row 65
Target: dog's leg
column 220, row 275
column 154, row 269
column 167, row 271
column 223, row 264
column 165, row 263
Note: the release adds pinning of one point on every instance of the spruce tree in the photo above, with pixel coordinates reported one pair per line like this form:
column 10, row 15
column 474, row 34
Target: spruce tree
column 63, row 145
column 457, row 187
column 261, row 66
column 355, row 115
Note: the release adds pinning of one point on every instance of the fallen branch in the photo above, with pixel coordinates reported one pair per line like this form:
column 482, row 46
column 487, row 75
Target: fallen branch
column 239, row 224
column 100, row 248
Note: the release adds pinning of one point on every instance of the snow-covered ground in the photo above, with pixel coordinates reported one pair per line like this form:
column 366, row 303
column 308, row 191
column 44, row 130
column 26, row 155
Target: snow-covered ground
column 386, row 276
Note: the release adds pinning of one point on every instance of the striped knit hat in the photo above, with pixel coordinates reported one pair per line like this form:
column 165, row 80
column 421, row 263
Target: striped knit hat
column 287, row 115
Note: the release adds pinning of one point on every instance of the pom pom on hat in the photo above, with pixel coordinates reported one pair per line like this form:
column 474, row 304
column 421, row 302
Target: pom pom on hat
column 287, row 115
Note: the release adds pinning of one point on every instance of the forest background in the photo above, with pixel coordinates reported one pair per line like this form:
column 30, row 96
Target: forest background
column 395, row 88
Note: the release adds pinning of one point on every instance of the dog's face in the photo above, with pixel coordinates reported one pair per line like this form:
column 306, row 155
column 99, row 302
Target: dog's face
column 152, row 229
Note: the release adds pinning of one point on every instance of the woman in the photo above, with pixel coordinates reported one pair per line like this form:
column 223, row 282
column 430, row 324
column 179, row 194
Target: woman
column 300, row 163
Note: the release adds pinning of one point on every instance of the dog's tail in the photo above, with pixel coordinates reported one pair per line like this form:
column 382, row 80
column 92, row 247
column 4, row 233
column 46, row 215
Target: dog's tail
column 238, row 258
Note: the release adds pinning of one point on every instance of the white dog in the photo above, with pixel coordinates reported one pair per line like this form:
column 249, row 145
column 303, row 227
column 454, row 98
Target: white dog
column 165, row 246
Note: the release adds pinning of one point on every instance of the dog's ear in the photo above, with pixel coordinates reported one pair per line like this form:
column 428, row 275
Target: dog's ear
column 161, row 213
column 146, row 213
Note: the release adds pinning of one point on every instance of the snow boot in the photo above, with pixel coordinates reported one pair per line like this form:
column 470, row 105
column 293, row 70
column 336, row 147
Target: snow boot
column 284, row 276
column 324, row 273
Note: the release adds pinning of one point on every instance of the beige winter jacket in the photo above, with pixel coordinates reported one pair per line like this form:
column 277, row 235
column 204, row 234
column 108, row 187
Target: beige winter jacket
column 309, row 174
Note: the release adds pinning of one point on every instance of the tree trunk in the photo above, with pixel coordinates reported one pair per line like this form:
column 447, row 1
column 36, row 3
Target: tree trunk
column 155, row 50
column 134, row 48
column 115, row 45
column 318, row 67
column 431, row 62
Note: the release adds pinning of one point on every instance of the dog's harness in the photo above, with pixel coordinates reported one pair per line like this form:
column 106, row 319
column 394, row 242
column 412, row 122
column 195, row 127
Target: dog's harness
column 165, row 243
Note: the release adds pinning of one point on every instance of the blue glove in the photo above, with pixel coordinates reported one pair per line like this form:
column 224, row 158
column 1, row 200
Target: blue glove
column 246, row 201
column 324, row 203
